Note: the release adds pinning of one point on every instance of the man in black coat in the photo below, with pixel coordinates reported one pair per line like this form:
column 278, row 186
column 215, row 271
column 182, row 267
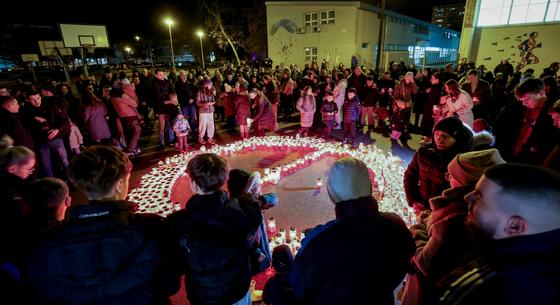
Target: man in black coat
column 49, row 124
column 362, row 255
column 216, row 236
column 103, row 253
column 524, row 129
column 11, row 124
column 514, row 213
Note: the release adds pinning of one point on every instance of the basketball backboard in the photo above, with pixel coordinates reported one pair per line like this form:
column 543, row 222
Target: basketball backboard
column 80, row 35
column 29, row 57
column 48, row 48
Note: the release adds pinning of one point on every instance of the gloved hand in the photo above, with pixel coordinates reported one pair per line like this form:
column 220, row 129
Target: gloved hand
column 268, row 200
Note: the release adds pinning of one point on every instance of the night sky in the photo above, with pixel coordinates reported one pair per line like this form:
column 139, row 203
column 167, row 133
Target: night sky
column 127, row 18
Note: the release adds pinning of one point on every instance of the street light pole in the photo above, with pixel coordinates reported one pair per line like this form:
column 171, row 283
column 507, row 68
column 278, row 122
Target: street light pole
column 169, row 23
column 200, row 34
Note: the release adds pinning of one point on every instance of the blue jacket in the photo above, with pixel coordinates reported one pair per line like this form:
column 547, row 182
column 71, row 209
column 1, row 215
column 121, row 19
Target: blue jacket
column 351, row 109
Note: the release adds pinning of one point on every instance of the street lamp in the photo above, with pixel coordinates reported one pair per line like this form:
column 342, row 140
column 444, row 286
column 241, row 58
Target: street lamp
column 137, row 38
column 169, row 23
column 200, row 34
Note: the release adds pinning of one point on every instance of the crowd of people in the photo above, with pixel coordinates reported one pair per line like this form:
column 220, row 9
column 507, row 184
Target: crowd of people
column 484, row 186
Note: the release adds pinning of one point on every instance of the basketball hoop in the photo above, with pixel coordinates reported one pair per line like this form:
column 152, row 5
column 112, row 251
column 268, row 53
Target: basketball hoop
column 90, row 47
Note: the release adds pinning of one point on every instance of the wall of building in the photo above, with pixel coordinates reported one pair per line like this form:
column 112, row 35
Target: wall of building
column 335, row 42
column 492, row 44
column 355, row 32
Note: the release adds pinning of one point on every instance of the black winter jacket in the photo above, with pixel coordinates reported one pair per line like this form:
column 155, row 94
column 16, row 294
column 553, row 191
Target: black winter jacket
column 361, row 256
column 216, row 237
column 11, row 124
column 103, row 254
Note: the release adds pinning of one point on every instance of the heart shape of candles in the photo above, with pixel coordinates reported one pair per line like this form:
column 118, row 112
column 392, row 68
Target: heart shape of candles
column 386, row 171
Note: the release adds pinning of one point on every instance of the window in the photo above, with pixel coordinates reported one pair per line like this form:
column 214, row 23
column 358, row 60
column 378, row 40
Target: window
column 310, row 54
column 311, row 19
column 327, row 17
column 553, row 13
column 501, row 12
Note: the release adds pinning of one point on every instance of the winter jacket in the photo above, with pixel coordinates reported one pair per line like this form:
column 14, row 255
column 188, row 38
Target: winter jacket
column 204, row 98
column 264, row 117
column 12, row 212
column 272, row 92
column 242, row 107
column 306, row 106
column 461, row 107
column 358, row 83
column 484, row 95
column 103, row 254
column 424, row 177
column 125, row 106
column 507, row 129
column 216, row 236
column 12, row 125
column 517, row 271
column 369, row 96
column 360, row 256
column 329, row 110
column 96, row 123
column 160, row 93
column 185, row 93
column 442, row 245
column 352, row 109
column 55, row 112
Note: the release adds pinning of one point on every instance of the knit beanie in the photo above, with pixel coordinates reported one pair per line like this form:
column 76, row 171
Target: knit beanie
column 467, row 168
column 348, row 179
column 455, row 128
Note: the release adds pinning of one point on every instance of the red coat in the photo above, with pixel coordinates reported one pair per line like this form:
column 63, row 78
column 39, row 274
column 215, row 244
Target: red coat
column 229, row 106
column 242, row 108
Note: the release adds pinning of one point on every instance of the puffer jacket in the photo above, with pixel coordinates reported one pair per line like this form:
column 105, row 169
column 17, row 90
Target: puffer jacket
column 203, row 100
column 352, row 109
column 103, row 254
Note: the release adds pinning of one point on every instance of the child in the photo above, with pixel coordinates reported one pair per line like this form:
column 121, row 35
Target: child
column 76, row 139
column 306, row 107
column 278, row 289
column 181, row 128
column 329, row 111
column 351, row 115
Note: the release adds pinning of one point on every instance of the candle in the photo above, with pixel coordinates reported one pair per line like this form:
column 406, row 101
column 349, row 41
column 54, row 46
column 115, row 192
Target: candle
column 293, row 233
column 319, row 182
column 282, row 233
column 271, row 225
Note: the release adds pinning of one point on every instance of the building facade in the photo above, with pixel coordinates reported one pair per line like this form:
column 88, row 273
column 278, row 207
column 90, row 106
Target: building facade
column 449, row 15
column 523, row 31
column 301, row 32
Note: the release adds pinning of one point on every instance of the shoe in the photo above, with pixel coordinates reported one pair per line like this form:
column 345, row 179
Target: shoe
column 201, row 141
column 161, row 146
column 210, row 141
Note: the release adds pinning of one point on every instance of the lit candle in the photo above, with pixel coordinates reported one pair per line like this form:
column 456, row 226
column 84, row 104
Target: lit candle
column 271, row 225
column 319, row 182
column 293, row 233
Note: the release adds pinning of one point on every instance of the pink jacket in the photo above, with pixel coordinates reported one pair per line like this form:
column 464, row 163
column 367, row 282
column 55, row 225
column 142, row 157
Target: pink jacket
column 125, row 106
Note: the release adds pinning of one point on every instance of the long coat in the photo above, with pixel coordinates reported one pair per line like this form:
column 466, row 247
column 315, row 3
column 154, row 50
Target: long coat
column 306, row 106
column 264, row 116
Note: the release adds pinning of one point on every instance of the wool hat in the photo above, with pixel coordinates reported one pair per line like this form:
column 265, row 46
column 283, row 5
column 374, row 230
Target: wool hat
column 348, row 179
column 455, row 128
column 206, row 81
column 467, row 168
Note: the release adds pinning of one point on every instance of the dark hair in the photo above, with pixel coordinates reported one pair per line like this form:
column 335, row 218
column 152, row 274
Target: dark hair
column 16, row 155
column 30, row 92
column 48, row 87
column 369, row 78
column 437, row 75
column 329, row 93
column 531, row 85
column 208, row 171
column 98, row 168
column 550, row 81
column 472, row 72
column 352, row 90
column 45, row 195
column 158, row 70
column 524, row 181
column 237, row 180
column 453, row 85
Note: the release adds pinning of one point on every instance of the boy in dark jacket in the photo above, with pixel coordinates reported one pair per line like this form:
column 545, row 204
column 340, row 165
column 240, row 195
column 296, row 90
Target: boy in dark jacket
column 329, row 110
column 215, row 235
column 351, row 115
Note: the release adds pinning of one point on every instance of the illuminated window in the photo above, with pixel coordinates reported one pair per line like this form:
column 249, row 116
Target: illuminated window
column 327, row 17
column 310, row 54
column 553, row 13
column 502, row 12
column 311, row 19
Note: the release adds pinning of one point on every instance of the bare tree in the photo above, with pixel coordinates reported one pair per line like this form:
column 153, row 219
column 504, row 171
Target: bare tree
column 224, row 35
